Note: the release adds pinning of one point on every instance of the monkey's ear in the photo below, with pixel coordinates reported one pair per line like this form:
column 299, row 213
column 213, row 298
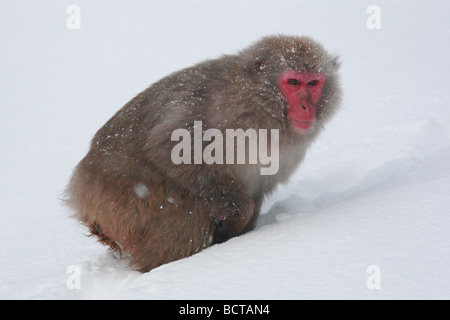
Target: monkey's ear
column 260, row 63
column 256, row 64
column 255, row 58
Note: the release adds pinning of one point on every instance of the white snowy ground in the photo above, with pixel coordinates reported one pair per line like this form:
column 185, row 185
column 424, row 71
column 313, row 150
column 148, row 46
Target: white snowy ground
column 373, row 191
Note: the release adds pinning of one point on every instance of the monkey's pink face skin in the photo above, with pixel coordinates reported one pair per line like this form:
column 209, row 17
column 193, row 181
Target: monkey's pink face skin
column 302, row 91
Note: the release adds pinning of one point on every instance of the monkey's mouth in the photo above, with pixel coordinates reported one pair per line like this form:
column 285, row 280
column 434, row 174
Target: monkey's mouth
column 303, row 125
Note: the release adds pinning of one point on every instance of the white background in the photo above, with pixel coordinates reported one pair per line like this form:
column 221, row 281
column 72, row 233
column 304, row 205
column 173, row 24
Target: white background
column 373, row 190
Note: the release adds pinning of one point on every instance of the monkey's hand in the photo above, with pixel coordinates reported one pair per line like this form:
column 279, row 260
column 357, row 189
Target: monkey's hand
column 230, row 207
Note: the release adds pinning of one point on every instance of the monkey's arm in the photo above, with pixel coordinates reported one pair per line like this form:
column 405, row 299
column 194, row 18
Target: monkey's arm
column 230, row 206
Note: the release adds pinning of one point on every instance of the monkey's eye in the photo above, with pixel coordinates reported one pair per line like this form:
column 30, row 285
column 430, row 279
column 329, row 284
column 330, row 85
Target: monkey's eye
column 293, row 82
column 313, row 83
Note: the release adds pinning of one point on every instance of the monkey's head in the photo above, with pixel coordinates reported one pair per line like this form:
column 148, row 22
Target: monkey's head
column 298, row 79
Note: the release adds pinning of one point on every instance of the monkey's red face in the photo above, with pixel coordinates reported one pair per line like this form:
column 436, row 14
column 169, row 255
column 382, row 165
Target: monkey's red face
column 302, row 91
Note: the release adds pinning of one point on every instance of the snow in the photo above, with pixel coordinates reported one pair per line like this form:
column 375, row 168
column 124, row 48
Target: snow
column 370, row 200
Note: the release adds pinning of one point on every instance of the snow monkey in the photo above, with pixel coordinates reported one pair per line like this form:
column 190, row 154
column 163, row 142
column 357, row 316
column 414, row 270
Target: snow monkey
column 134, row 193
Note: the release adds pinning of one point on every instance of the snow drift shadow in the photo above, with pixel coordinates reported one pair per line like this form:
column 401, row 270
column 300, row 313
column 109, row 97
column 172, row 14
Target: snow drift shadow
column 296, row 204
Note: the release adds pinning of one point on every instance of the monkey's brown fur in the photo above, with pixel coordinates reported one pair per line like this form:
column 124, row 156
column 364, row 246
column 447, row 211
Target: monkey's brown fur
column 127, row 190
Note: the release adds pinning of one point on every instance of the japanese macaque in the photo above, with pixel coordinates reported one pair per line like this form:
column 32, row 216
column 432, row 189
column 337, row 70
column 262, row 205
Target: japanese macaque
column 136, row 198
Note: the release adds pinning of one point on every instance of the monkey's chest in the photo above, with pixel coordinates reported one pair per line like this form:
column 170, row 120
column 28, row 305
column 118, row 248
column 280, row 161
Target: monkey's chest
column 258, row 184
